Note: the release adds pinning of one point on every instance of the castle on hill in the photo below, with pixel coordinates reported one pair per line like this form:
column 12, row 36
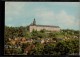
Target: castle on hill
column 34, row 26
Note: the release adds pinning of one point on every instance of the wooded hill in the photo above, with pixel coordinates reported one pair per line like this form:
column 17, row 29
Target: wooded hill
column 68, row 45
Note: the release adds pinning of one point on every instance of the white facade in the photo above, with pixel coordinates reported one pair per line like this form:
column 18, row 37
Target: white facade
column 38, row 28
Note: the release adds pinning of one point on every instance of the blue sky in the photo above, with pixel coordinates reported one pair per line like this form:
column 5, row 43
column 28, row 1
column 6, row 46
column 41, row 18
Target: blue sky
column 63, row 14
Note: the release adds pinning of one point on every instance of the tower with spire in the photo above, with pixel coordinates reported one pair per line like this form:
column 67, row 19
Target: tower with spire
column 34, row 22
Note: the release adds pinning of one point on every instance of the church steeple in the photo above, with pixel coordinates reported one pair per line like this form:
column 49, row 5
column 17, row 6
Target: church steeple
column 34, row 22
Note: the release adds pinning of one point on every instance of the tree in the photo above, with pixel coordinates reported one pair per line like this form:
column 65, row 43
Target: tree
column 34, row 34
column 38, row 50
column 67, row 47
column 49, row 49
column 43, row 31
column 24, row 45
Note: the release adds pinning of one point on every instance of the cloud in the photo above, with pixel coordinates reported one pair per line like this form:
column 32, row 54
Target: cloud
column 13, row 10
column 45, row 15
column 65, row 18
column 77, row 22
column 62, row 18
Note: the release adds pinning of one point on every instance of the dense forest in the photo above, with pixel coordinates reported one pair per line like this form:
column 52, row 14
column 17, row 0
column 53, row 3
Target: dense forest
column 18, row 40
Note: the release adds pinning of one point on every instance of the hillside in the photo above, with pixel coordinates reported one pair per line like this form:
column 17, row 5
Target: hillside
column 19, row 39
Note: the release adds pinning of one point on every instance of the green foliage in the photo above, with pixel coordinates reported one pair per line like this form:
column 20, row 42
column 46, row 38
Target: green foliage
column 42, row 31
column 11, row 32
column 67, row 47
column 60, row 48
column 42, row 35
column 28, row 35
column 38, row 34
column 34, row 34
column 38, row 50
column 49, row 49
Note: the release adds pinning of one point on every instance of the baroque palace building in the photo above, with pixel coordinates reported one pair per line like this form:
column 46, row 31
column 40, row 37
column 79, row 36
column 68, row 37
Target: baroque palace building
column 34, row 26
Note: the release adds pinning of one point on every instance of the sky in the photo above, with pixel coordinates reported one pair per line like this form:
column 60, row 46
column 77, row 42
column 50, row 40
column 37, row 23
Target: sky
column 66, row 15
